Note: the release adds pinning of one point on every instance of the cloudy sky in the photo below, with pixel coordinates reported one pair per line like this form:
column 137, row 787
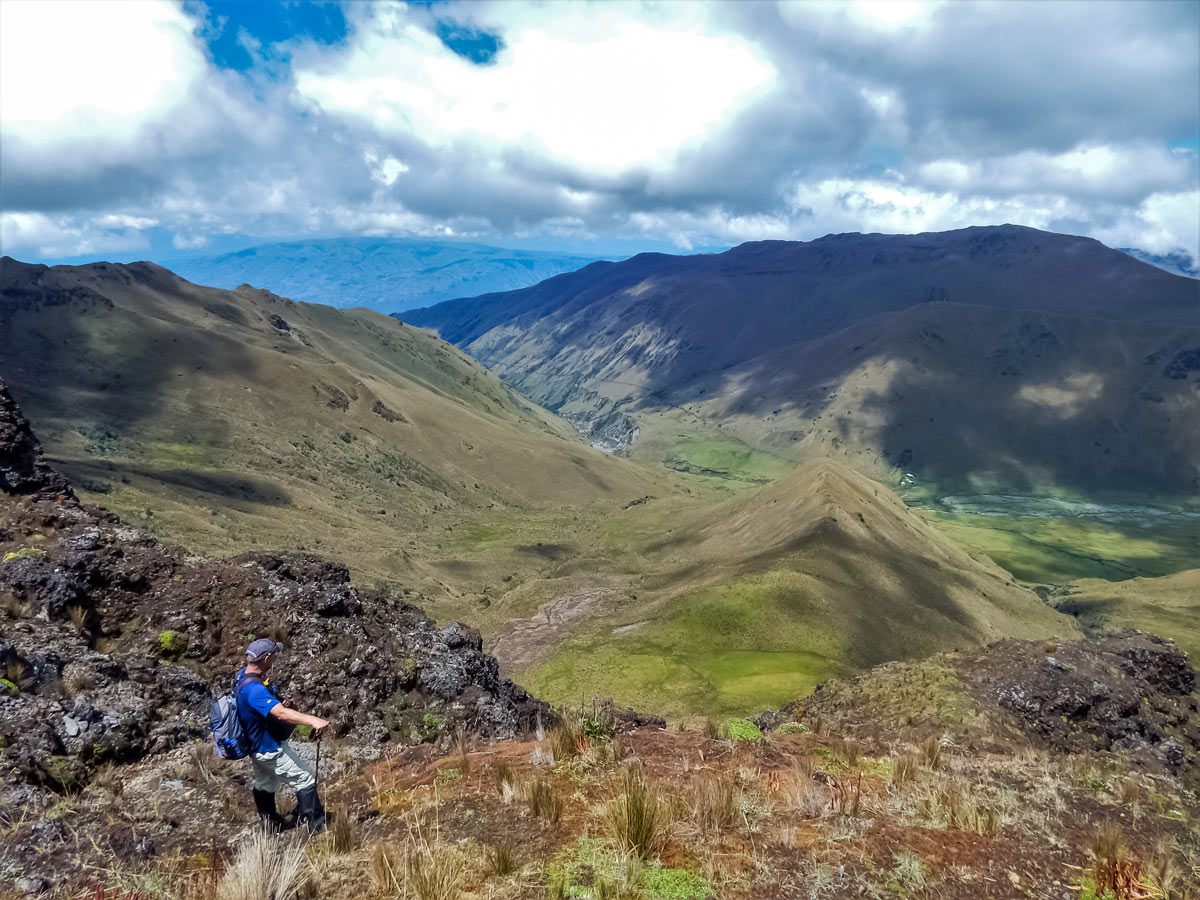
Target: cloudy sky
column 150, row 127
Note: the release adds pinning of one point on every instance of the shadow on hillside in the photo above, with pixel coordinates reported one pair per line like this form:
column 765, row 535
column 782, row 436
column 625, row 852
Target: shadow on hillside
column 76, row 360
column 979, row 399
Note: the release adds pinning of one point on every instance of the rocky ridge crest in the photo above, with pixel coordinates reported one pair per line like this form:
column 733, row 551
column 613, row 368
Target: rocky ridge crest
column 112, row 644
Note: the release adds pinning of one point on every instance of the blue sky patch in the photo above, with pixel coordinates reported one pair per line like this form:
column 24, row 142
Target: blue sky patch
column 230, row 25
column 480, row 47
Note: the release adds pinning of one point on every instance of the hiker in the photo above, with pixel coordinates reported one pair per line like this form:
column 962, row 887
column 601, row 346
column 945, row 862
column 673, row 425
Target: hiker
column 268, row 725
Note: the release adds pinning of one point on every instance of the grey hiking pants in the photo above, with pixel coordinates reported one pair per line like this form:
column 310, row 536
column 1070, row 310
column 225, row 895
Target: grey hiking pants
column 279, row 767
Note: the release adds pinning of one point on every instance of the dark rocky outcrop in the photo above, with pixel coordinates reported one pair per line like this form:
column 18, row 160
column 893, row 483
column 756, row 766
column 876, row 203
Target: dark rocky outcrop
column 1133, row 694
column 111, row 644
column 1130, row 692
column 22, row 469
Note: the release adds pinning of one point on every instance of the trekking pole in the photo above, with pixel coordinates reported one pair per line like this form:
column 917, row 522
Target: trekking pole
column 317, row 764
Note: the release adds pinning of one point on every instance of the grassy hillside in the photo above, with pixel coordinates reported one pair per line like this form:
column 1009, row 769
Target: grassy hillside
column 228, row 420
column 1169, row 605
column 762, row 596
column 234, row 419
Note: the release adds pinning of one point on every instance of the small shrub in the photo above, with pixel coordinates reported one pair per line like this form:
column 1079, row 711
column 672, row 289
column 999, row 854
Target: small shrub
column 25, row 553
column 908, row 875
column 674, row 884
column 500, row 859
column 637, row 817
column 792, row 728
column 544, row 802
column 172, row 644
column 740, row 730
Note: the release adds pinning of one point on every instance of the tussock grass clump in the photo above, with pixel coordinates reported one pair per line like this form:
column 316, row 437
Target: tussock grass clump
column 566, row 738
column 637, row 816
column 931, row 754
column 505, row 782
column 1130, row 791
column 848, row 752
column 801, row 794
column 266, row 867
column 905, row 769
column 11, row 605
column 1114, row 871
column 951, row 803
column 605, row 753
column 430, row 870
column 544, row 801
column 343, row 836
column 462, row 748
column 500, row 859
column 713, row 807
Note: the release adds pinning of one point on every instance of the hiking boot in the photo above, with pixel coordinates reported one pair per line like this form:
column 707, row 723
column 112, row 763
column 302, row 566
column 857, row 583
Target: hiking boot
column 309, row 810
column 268, row 817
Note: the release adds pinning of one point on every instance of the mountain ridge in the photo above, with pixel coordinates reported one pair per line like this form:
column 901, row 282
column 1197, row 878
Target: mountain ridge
column 629, row 342
column 384, row 274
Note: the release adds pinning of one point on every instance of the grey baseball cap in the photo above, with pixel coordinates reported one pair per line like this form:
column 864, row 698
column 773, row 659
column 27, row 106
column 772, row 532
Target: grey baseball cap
column 262, row 647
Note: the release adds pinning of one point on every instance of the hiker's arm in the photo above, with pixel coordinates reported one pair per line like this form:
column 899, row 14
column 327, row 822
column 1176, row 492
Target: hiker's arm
column 295, row 717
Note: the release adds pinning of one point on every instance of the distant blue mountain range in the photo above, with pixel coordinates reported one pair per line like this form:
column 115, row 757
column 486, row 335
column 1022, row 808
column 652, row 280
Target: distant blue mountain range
column 386, row 274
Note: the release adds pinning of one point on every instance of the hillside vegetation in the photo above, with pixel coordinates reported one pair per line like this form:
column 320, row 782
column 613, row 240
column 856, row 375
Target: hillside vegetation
column 229, row 421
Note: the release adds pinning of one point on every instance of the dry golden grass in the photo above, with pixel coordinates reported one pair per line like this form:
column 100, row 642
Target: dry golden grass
column 637, row 817
column 544, row 801
column 266, row 867
column 712, row 803
column 500, row 859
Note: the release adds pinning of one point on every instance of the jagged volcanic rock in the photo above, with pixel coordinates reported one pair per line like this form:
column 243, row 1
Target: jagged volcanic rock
column 22, row 469
column 112, row 644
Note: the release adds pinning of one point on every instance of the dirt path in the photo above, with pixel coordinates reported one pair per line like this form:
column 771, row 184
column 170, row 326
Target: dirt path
column 526, row 642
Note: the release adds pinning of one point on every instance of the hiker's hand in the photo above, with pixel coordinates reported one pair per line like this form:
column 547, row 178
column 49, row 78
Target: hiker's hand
column 318, row 723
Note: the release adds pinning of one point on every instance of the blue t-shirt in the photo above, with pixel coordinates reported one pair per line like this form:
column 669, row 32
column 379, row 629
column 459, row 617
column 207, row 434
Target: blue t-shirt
column 255, row 701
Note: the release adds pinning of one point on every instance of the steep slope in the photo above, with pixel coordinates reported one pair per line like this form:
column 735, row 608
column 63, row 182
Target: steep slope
column 113, row 644
column 1166, row 605
column 229, row 419
column 385, row 274
column 821, row 573
column 999, row 356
